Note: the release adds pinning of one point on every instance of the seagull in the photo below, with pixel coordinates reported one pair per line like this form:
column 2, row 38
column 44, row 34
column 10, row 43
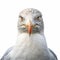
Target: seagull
column 31, row 43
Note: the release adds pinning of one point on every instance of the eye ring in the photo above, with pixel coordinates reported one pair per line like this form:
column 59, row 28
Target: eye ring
column 21, row 18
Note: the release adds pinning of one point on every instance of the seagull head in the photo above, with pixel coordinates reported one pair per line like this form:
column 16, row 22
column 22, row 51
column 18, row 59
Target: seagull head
column 30, row 21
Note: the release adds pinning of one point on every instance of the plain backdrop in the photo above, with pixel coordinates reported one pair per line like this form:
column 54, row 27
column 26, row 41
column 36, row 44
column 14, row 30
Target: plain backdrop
column 9, row 11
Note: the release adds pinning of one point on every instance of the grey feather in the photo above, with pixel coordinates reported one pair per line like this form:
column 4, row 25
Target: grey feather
column 9, row 50
column 53, row 54
column 6, row 53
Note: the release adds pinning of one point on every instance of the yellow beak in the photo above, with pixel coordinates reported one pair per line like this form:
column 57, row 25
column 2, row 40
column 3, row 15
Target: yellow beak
column 29, row 27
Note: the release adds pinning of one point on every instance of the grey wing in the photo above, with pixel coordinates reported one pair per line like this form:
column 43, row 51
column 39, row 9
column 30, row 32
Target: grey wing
column 3, row 58
column 53, row 54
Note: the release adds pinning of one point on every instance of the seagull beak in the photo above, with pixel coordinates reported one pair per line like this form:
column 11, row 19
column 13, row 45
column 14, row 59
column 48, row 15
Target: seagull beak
column 29, row 27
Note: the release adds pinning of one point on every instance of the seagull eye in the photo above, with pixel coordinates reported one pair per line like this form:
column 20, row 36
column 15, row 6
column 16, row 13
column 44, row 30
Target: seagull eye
column 38, row 18
column 21, row 18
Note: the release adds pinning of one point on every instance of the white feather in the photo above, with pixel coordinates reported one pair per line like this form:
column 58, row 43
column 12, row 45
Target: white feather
column 28, row 46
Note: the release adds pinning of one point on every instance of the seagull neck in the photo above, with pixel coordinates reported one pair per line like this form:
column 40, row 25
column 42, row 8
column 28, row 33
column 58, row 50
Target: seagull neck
column 24, row 38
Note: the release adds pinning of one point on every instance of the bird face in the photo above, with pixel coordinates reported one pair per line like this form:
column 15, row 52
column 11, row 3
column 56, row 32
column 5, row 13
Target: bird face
column 30, row 21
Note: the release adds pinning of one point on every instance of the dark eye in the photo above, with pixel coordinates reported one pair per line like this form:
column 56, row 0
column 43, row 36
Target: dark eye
column 37, row 18
column 21, row 18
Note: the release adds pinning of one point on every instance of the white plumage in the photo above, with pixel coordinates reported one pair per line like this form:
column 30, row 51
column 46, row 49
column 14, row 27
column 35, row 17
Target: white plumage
column 31, row 43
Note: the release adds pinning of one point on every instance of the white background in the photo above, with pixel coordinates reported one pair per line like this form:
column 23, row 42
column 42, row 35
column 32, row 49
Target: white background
column 9, row 11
